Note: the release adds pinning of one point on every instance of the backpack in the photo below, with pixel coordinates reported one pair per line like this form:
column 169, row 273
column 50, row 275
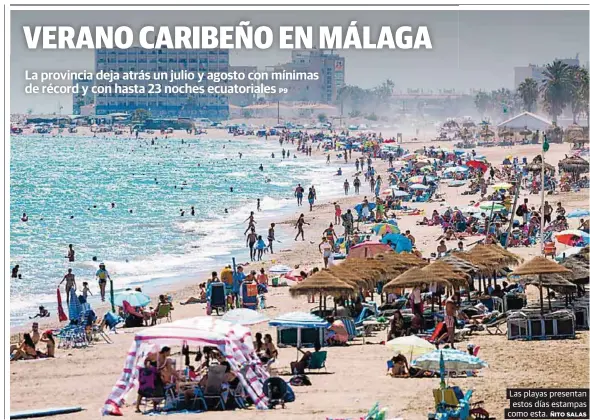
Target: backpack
column 520, row 211
column 300, row 380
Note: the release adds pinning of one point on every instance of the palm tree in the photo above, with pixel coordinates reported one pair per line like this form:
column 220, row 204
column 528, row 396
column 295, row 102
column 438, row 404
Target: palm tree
column 482, row 102
column 557, row 88
column 528, row 91
column 579, row 97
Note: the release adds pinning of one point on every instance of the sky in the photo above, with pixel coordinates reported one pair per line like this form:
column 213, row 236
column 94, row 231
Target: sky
column 471, row 49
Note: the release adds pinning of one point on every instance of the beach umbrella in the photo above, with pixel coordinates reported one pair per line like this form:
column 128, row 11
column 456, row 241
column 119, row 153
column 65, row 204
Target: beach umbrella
column 411, row 345
column 418, row 187
column 243, row 316
column 324, row 283
column 280, row 269
column 572, row 251
column 75, row 308
column 135, row 299
column 399, row 193
column 409, row 156
column 367, row 249
column 457, row 183
column 383, row 228
column 359, row 207
column 540, row 266
column 454, row 361
column 415, row 277
column 491, row 205
column 578, row 213
column 502, row 186
column 572, row 236
column 399, row 243
column 476, row 164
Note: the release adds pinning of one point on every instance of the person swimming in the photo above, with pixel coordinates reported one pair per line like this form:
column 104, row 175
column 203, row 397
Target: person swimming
column 24, row 217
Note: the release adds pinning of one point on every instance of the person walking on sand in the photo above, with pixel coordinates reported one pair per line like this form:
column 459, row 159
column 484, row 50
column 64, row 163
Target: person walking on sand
column 70, row 280
column 299, row 226
column 325, row 248
column 337, row 214
column 357, row 164
column 250, row 242
column 102, row 275
column 328, row 158
column 346, row 186
column 271, row 237
column 299, row 194
column 357, row 185
column 260, row 246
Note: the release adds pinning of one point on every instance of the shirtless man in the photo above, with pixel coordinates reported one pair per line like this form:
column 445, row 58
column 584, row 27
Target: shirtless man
column 251, row 241
column 70, row 280
column 251, row 223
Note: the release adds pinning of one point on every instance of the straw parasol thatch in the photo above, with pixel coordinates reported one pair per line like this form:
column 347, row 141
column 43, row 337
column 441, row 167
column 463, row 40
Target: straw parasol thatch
column 459, row 264
column 484, row 265
column 580, row 271
column 447, row 272
column 574, row 165
column 352, row 277
column 576, row 134
column 497, row 254
column 414, row 277
column 323, row 282
column 540, row 266
column 510, row 258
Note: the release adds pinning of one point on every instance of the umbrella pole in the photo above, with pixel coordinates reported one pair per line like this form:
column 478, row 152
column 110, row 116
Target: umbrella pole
column 112, row 297
column 541, row 292
column 495, row 279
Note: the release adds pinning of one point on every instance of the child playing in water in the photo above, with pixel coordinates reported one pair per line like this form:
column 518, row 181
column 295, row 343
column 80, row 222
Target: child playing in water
column 85, row 290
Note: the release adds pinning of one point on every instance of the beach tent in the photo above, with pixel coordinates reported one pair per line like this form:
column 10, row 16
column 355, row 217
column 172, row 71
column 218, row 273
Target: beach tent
column 399, row 243
column 526, row 120
column 233, row 341
column 367, row 249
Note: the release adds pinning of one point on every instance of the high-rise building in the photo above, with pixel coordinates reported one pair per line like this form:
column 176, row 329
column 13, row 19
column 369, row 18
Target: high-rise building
column 535, row 72
column 157, row 101
column 79, row 99
column 329, row 68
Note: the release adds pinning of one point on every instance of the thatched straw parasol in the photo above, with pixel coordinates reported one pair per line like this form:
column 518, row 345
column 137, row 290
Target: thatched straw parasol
column 580, row 272
column 540, row 266
column 414, row 277
column 509, row 257
column 576, row 134
column 352, row 277
column 459, row 264
column 574, row 165
column 447, row 272
column 536, row 165
column 497, row 254
column 324, row 283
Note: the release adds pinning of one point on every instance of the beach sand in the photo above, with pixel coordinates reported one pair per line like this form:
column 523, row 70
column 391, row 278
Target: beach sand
column 356, row 378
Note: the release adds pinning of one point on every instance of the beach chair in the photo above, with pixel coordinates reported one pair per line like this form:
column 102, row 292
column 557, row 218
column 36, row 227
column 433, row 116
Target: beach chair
column 494, row 327
column 249, row 294
column 164, row 312
column 213, row 391
column 132, row 317
column 217, row 298
column 318, row 361
column 275, row 389
column 148, row 391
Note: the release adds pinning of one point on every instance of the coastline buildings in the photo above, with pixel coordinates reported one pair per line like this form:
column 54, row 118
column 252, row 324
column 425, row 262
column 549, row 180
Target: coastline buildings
column 158, row 102
column 535, row 72
column 243, row 99
column 329, row 67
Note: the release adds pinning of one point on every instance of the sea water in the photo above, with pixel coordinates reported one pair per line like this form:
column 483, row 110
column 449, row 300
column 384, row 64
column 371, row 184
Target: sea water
column 66, row 186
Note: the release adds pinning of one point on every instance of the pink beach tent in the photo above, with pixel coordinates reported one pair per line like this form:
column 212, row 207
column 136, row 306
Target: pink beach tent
column 233, row 341
column 368, row 249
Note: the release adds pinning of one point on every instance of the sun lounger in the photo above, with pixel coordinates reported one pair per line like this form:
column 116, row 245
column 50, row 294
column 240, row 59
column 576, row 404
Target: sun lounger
column 494, row 327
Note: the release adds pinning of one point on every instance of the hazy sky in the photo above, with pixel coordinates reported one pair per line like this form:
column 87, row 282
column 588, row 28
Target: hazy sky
column 471, row 49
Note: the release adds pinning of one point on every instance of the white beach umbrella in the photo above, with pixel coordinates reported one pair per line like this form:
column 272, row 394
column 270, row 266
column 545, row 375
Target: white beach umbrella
column 244, row 316
column 280, row 269
column 411, row 345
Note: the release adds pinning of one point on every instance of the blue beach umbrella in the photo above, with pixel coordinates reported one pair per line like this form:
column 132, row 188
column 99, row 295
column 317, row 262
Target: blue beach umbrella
column 359, row 207
column 135, row 299
column 75, row 308
column 454, row 361
column 399, row 243
column 299, row 320
column 578, row 213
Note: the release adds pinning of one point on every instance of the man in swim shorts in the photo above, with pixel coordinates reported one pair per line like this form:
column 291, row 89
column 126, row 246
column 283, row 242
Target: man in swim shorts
column 251, row 241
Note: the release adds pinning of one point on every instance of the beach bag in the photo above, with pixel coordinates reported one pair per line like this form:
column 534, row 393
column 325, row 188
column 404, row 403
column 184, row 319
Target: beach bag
column 520, row 211
column 300, row 380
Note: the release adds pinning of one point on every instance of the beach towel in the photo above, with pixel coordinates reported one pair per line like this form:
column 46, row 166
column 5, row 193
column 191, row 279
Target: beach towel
column 252, row 290
column 74, row 309
column 60, row 310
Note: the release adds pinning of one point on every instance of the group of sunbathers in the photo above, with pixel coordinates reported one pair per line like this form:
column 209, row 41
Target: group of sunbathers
column 27, row 348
